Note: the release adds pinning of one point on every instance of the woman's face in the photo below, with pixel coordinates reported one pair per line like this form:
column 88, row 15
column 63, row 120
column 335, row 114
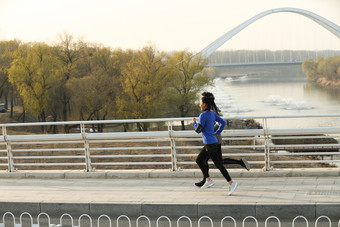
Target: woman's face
column 203, row 106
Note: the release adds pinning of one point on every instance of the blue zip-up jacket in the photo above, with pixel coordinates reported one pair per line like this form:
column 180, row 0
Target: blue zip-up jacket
column 205, row 125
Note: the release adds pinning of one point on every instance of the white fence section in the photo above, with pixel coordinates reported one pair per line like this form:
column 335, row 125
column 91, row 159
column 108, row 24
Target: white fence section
column 165, row 145
column 9, row 219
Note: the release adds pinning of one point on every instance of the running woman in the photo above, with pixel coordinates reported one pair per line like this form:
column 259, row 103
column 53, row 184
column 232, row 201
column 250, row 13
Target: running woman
column 202, row 158
column 205, row 126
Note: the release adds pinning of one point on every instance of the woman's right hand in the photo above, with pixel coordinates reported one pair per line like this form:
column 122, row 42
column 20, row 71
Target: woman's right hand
column 193, row 120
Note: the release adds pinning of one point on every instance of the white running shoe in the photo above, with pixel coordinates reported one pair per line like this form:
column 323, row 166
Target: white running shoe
column 232, row 188
column 208, row 184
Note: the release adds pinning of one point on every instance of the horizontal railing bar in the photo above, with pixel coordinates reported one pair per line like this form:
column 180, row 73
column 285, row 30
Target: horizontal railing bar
column 129, row 163
column 243, row 154
column 243, row 146
column 188, row 139
column 46, row 142
column 304, row 153
column 306, row 161
column 186, row 155
column 96, row 122
column 223, row 138
column 225, row 133
column 129, row 141
column 47, row 149
column 49, row 164
column 45, row 137
column 304, row 137
column 225, row 155
column 190, row 163
column 127, row 135
column 307, row 145
column 244, row 138
column 92, row 136
column 48, row 157
column 226, row 147
column 189, row 147
column 128, row 148
column 133, row 156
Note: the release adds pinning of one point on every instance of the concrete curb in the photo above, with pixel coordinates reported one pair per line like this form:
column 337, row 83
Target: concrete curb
column 187, row 173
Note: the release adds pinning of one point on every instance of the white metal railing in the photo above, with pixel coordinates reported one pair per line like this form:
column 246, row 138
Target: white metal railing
column 8, row 219
column 163, row 147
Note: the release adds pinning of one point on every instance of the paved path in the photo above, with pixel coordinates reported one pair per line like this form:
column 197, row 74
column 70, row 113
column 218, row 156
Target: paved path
column 258, row 196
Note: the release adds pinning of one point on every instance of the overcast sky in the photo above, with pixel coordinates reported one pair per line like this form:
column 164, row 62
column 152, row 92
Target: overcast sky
column 170, row 24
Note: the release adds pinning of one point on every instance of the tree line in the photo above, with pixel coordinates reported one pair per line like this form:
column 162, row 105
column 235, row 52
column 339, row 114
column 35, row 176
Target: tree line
column 75, row 80
column 328, row 68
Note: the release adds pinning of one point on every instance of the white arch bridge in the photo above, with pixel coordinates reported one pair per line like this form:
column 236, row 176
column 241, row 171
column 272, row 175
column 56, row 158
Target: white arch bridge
column 330, row 26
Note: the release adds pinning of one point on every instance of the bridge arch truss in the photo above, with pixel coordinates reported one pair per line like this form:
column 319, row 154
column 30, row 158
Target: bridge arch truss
column 330, row 26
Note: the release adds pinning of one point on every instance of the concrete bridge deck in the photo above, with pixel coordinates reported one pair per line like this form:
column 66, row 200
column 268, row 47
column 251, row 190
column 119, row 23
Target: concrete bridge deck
column 283, row 193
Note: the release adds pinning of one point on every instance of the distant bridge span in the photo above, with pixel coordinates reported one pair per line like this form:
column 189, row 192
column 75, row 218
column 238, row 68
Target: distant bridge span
column 254, row 64
column 330, row 26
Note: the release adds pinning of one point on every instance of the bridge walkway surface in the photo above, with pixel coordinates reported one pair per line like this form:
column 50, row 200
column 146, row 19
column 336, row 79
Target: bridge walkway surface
column 284, row 193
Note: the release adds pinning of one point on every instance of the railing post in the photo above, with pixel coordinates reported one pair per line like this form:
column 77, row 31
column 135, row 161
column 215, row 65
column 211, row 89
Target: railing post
column 173, row 148
column 86, row 149
column 9, row 150
column 266, row 145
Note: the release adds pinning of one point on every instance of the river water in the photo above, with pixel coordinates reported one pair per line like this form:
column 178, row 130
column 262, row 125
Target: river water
column 274, row 90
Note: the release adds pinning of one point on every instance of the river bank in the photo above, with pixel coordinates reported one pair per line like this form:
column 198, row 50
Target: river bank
column 328, row 83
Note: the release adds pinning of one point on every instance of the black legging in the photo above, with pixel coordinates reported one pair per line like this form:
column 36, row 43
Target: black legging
column 210, row 151
column 226, row 161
